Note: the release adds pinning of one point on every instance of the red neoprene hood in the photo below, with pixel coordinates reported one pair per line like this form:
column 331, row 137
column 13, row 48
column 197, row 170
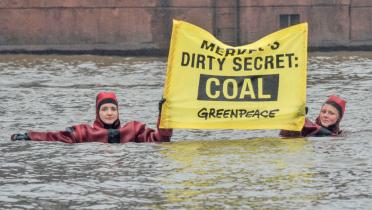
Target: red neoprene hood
column 338, row 103
column 104, row 98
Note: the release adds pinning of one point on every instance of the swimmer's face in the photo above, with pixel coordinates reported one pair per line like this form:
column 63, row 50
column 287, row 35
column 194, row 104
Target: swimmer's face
column 328, row 115
column 108, row 113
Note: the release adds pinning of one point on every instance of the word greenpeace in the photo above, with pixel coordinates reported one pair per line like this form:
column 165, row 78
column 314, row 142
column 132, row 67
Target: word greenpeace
column 211, row 113
column 238, row 88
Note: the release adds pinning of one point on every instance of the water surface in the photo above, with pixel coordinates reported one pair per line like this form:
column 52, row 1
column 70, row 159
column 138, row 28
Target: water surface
column 199, row 169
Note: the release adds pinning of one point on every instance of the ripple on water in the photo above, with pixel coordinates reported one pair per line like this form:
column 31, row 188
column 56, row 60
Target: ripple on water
column 200, row 169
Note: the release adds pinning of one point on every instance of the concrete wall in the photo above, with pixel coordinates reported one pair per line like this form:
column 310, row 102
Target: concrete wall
column 361, row 23
column 144, row 26
column 328, row 19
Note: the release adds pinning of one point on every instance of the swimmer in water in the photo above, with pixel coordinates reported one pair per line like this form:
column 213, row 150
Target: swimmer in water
column 326, row 124
column 106, row 127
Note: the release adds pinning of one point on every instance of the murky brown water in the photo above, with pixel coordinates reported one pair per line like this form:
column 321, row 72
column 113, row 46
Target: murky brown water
column 199, row 169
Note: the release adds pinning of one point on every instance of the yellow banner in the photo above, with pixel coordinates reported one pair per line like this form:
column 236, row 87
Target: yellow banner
column 211, row 85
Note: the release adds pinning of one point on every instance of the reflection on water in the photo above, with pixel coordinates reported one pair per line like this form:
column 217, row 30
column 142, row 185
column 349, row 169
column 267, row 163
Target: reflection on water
column 199, row 169
column 248, row 174
column 265, row 173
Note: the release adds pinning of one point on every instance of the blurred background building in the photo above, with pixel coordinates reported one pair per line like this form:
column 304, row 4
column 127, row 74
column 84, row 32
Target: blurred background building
column 144, row 26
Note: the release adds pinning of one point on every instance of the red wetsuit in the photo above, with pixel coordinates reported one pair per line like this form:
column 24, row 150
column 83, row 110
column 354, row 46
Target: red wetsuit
column 100, row 132
column 309, row 129
column 131, row 132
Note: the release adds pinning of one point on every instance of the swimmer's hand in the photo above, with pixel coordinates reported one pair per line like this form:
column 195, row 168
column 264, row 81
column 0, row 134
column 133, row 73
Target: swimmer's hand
column 20, row 137
column 161, row 102
column 324, row 132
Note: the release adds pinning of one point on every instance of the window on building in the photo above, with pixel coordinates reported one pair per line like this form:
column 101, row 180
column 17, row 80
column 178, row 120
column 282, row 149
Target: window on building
column 288, row 20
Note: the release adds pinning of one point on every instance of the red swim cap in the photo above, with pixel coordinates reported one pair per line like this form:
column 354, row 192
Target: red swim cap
column 104, row 98
column 338, row 103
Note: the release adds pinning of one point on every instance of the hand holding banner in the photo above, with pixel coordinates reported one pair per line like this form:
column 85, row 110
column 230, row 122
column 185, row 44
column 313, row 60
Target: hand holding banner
column 211, row 85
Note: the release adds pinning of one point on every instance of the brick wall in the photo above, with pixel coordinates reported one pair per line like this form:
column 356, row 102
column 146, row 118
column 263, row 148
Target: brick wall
column 145, row 25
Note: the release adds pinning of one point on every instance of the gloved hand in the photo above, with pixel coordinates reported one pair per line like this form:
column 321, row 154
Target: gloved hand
column 324, row 132
column 161, row 102
column 20, row 137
